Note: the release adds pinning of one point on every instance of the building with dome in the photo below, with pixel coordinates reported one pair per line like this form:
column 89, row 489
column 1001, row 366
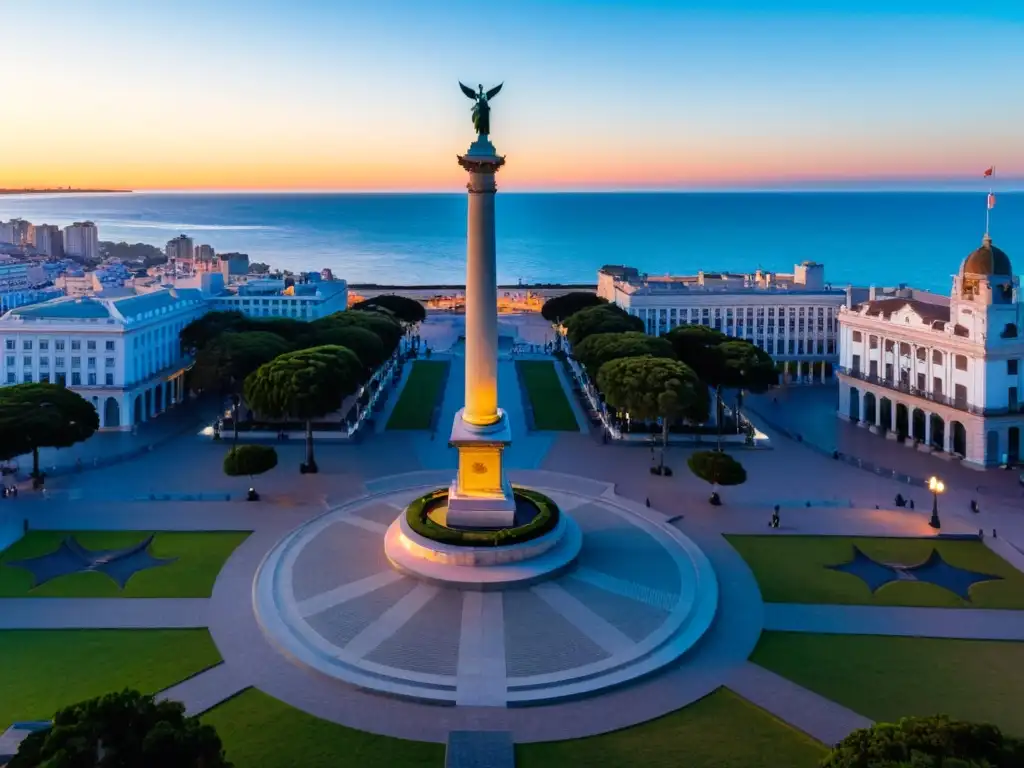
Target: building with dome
column 941, row 375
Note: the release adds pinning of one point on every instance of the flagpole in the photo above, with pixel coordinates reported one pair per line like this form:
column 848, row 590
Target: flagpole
column 988, row 202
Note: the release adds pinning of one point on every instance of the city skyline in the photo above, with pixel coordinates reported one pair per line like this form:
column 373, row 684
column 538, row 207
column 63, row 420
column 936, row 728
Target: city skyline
column 598, row 96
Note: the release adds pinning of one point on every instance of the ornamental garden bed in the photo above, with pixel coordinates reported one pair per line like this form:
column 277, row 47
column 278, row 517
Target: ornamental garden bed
column 539, row 513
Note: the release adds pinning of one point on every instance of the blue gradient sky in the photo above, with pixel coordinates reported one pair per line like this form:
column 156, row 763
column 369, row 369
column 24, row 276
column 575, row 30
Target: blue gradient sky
column 599, row 94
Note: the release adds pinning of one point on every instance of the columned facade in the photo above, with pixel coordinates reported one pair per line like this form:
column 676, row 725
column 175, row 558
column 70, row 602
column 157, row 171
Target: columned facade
column 945, row 376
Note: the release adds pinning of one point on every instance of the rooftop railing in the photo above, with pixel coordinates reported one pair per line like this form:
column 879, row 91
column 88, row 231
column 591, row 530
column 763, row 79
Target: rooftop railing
column 957, row 403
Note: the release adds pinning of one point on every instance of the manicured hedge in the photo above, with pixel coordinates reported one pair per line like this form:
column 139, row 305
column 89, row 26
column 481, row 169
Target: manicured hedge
column 715, row 467
column 546, row 520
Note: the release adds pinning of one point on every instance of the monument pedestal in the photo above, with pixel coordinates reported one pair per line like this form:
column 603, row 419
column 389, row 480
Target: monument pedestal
column 481, row 495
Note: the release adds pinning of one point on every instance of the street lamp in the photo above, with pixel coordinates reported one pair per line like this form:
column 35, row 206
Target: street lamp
column 936, row 487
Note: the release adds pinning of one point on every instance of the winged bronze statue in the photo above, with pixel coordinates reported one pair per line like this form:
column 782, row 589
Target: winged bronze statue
column 481, row 107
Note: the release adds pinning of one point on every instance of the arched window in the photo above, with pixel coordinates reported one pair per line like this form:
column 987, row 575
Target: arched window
column 936, row 357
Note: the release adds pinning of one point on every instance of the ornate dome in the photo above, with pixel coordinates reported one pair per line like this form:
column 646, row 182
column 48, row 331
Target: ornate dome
column 987, row 260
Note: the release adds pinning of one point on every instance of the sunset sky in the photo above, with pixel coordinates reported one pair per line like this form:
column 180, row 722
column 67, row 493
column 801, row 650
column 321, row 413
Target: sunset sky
column 266, row 94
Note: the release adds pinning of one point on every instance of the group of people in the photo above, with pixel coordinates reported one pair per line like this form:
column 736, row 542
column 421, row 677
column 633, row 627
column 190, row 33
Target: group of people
column 902, row 502
column 10, row 491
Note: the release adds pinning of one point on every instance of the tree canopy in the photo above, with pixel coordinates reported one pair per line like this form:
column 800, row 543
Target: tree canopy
column 203, row 330
column 34, row 416
column 249, row 460
column 594, row 351
column 223, row 363
column 561, row 308
column 698, row 346
column 405, row 309
column 717, row 467
column 927, row 742
column 387, row 328
column 649, row 388
column 128, row 728
column 723, row 361
column 366, row 344
column 306, row 384
column 605, row 318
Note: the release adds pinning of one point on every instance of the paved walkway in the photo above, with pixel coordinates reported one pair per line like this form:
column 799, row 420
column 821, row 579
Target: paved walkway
column 206, row 690
column 103, row 613
column 961, row 623
column 811, row 713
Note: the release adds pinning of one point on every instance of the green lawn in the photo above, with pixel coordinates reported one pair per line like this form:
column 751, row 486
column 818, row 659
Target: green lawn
column 200, row 557
column 719, row 731
column 261, row 732
column 421, row 393
column 791, row 569
column 44, row 670
column 551, row 409
column 886, row 678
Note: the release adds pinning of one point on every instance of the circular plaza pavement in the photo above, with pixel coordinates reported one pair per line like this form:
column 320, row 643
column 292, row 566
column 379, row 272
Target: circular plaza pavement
column 640, row 595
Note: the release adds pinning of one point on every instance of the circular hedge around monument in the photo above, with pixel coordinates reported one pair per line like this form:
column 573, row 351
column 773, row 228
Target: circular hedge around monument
column 717, row 467
column 417, row 514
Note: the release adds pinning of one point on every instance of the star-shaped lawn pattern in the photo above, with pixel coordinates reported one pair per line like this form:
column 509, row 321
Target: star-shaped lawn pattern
column 935, row 570
column 71, row 557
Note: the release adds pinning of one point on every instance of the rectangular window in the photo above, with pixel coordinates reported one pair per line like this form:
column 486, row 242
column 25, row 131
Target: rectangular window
column 90, row 345
column 91, row 362
column 110, row 379
column 27, row 378
column 960, row 394
column 922, row 354
column 92, row 379
column 26, row 344
column 888, row 372
column 856, row 363
column 961, row 362
column 11, row 361
column 76, row 344
column 110, row 346
column 44, row 362
column 62, row 378
column 76, row 362
column 873, row 368
column 44, row 378
column 44, row 345
column 10, row 343
column 857, row 336
column 76, row 379
column 936, row 357
column 26, row 361
column 936, row 385
column 800, row 347
column 1012, row 397
column 872, row 342
column 10, row 377
column 59, row 345
column 109, row 363
column 59, row 361
column 920, row 382
column 792, row 346
column 1011, row 367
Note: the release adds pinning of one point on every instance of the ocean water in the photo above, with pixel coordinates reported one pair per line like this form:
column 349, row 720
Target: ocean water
column 861, row 237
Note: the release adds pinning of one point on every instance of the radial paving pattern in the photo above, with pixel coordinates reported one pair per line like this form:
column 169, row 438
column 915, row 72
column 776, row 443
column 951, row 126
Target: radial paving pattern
column 639, row 597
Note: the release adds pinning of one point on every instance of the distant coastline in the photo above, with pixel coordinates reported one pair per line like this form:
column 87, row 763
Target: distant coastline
column 61, row 191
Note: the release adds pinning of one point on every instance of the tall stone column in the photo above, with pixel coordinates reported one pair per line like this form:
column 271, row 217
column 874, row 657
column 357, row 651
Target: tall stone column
column 481, row 496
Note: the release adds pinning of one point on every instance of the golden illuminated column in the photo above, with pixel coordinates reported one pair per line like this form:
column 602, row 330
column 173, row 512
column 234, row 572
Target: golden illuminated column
column 481, row 496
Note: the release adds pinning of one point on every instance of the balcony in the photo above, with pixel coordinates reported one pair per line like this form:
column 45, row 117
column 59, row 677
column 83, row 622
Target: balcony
column 950, row 402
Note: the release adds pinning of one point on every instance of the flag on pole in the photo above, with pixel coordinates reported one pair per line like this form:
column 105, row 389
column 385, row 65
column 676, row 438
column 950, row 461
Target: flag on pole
column 990, row 170
column 991, row 201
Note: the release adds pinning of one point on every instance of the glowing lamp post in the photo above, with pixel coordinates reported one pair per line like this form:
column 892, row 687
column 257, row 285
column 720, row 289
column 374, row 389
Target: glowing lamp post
column 936, row 487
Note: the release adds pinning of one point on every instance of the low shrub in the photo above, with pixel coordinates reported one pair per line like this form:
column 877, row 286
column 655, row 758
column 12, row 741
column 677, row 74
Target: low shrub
column 416, row 514
column 716, row 467
column 249, row 460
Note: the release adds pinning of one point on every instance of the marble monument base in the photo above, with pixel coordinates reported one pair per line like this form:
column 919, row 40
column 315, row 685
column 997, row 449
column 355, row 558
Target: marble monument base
column 481, row 495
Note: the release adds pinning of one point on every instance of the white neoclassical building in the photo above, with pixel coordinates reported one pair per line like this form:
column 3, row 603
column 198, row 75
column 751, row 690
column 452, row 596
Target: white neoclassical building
column 944, row 375
column 793, row 317
column 120, row 354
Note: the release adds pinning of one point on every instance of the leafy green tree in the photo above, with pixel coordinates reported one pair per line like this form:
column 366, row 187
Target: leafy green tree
column 249, row 460
column 650, row 388
column 305, row 385
column 123, row 729
column 605, row 318
column 388, row 330
column 203, row 330
column 561, row 308
column 745, row 366
column 594, row 351
column 288, row 328
column 34, row 416
column 224, row 362
column 365, row 343
column 717, row 467
column 407, row 310
column 927, row 742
